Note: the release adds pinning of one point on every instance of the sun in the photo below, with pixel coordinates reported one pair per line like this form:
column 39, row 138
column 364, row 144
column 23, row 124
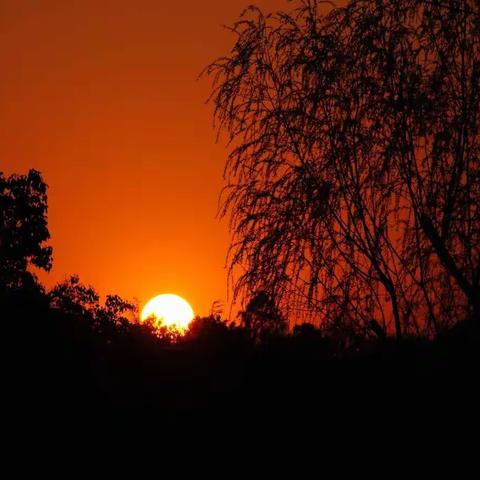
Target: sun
column 168, row 310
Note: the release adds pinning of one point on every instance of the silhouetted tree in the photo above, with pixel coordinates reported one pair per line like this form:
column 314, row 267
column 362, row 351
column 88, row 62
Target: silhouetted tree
column 117, row 310
column 23, row 229
column 207, row 329
column 262, row 317
column 354, row 183
column 73, row 298
column 216, row 309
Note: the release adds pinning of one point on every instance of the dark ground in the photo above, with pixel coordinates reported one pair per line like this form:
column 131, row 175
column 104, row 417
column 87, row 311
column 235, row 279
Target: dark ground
column 70, row 382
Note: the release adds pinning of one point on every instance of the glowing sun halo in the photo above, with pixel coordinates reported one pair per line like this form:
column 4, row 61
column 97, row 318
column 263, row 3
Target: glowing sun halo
column 168, row 310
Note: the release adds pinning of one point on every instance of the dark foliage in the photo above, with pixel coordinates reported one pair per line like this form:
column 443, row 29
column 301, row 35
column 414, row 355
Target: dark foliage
column 262, row 317
column 23, row 228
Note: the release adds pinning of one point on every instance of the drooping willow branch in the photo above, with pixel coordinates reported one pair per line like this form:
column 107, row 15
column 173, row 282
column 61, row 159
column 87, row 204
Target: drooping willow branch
column 354, row 170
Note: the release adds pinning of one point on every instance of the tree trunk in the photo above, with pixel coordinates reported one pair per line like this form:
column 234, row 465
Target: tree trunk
column 473, row 296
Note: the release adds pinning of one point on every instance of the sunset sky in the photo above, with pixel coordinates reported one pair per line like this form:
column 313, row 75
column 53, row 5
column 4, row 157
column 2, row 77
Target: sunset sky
column 102, row 97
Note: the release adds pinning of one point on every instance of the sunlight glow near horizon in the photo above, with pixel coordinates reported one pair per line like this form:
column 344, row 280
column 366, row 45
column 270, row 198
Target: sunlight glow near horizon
column 168, row 310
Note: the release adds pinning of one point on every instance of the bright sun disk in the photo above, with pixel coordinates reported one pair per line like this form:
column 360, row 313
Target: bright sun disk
column 168, row 310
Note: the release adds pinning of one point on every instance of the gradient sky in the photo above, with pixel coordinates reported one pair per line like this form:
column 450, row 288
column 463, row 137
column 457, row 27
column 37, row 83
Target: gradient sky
column 102, row 97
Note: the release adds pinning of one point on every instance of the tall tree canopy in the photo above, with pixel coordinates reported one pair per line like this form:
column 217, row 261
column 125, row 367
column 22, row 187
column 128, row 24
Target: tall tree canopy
column 23, row 228
column 353, row 183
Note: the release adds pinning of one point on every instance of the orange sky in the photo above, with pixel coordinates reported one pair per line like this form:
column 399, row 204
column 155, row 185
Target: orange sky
column 102, row 97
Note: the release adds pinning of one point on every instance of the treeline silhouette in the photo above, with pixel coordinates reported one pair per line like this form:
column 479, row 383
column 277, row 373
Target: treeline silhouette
column 73, row 359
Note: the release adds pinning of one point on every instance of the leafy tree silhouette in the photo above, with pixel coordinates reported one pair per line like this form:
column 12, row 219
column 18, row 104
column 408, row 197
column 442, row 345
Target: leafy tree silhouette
column 354, row 183
column 261, row 317
column 71, row 297
column 211, row 329
column 23, row 229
